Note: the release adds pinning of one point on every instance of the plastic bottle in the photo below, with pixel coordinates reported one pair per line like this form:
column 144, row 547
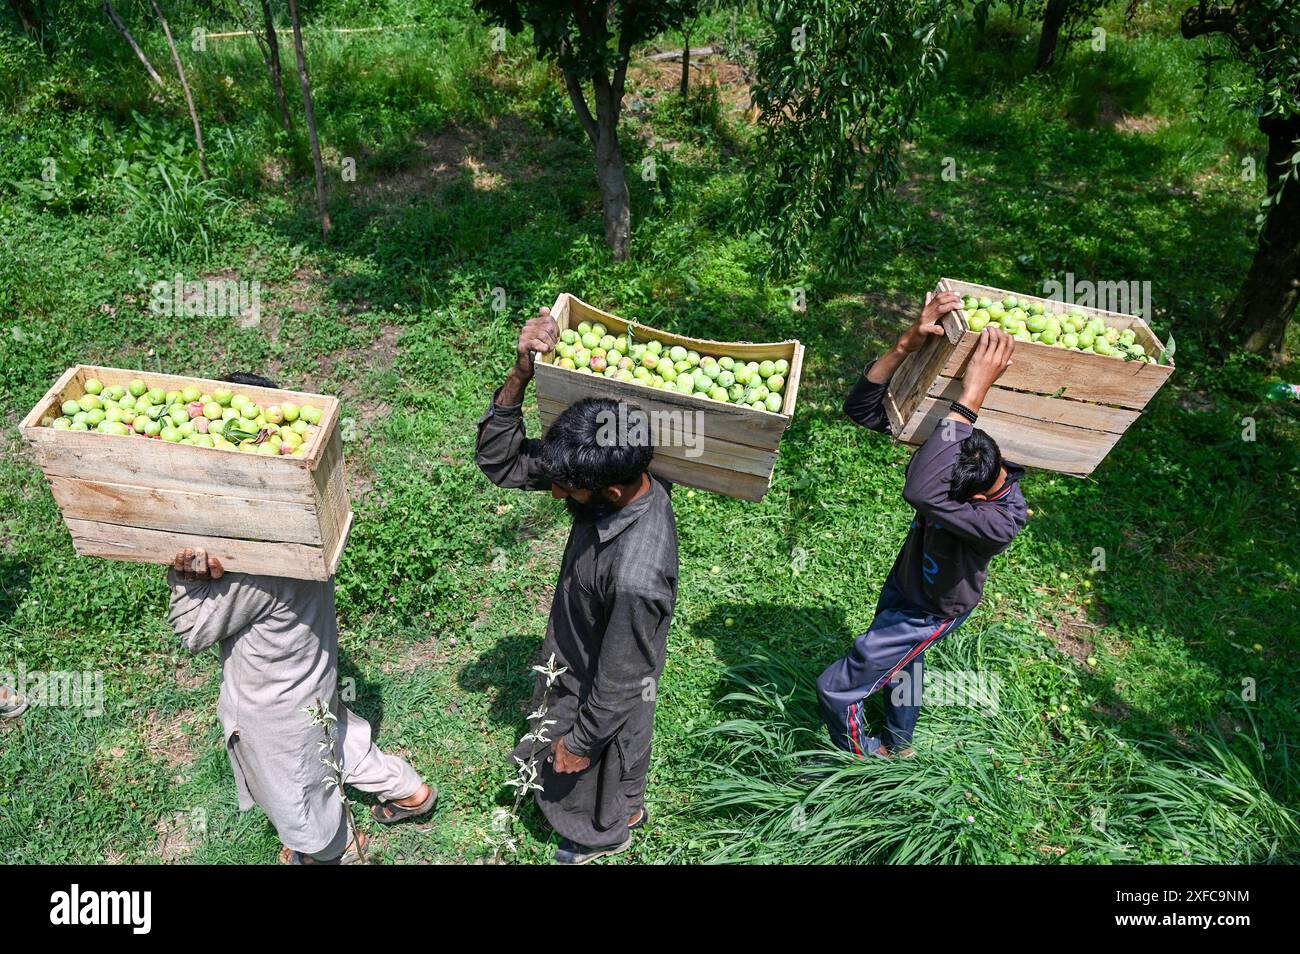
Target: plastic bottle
column 1282, row 391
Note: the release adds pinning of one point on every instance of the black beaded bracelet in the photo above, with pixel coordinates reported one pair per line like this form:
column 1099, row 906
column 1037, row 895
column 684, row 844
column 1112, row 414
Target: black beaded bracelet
column 964, row 411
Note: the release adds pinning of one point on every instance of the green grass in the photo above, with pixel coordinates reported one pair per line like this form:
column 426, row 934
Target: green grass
column 473, row 176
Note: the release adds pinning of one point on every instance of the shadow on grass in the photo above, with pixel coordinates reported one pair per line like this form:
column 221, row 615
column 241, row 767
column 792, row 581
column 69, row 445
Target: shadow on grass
column 504, row 673
column 15, row 581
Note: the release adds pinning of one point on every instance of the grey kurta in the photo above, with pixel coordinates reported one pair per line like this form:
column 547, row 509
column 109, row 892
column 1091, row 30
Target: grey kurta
column 278, row 640
column 609, row 627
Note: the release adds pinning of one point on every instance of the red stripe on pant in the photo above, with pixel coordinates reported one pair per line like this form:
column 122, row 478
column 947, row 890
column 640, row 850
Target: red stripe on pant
column 853, row 728
column 913, row 653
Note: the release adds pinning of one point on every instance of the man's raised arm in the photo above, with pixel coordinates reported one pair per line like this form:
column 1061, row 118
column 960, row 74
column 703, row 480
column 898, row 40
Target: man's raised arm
column 505, row 453
column 865, row 404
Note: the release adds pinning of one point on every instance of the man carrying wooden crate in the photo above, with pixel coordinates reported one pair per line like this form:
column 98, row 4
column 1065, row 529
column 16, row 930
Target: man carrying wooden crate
column 279, row 641
column 968, row 509
column 608, row 626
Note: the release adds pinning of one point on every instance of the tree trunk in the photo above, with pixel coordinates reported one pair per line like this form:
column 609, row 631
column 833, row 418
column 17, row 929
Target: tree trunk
column 616, row 204
column 611, row 174
column 309, row 113
column 614, row 198
column 28, row 17
column 602, row 129
column 273, row 66
column 1258, row 316
column 185, row 85
column 123, row 29
column 686, row 64
column 1050, row 38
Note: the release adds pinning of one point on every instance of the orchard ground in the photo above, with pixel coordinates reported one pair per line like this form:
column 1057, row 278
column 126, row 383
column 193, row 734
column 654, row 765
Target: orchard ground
column 1148, row 710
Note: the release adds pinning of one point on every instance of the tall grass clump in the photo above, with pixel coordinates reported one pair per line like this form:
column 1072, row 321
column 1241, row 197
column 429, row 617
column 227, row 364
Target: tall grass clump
column 180, row 215
column 1037, row 777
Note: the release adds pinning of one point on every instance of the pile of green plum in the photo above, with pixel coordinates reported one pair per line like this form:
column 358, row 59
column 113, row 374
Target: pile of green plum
column 222, row 419
column 592, row 349
column 1031, row 321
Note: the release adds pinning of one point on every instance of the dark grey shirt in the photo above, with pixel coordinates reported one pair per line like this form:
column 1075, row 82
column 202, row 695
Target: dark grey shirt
column 945, row 559
column 614, row 600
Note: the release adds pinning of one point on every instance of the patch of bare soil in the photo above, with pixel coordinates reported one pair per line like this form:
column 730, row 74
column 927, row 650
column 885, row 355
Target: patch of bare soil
column 1073, row 634
column 1116, row 709
column 425, row 654
column 1196, row 401
column 665, row 77
column 490, row 156
column 378, row 355
column 189, row 675
column 173, row 838
column 167, row 737
column 1113, row 116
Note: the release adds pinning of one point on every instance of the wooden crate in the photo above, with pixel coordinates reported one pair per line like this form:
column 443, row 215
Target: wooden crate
column 739, row 444
column 1055, row 409
column 135, row 499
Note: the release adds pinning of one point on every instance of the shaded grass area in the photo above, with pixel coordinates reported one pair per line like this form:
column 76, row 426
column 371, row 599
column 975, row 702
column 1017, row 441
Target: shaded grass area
column 471, row 178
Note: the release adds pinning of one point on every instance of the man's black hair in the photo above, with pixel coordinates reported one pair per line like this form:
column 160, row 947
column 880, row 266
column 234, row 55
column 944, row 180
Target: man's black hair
column 978, row 463
column 252, row 380
column 597, row 443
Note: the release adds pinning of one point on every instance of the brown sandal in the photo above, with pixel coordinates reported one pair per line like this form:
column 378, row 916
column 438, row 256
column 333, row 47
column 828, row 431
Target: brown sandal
column 352, row 856
column 390, row 813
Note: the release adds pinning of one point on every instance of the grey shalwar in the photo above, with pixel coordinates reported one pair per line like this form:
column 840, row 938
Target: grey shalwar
column 609, row 628
column 278, row 640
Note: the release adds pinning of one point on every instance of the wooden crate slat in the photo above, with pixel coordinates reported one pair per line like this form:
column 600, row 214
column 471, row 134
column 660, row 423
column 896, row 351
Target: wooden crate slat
column 908, row 385
column 760, row 429
column 184, row 467
column 247, row 518
column 740, row 425
column 1070, row 450
column 1085, row 376
column 695, row 474
column 141, row 545
column 335, row 556
column 1041, row 407
column 332, row 502
column 721, row 453
column 792, row 382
